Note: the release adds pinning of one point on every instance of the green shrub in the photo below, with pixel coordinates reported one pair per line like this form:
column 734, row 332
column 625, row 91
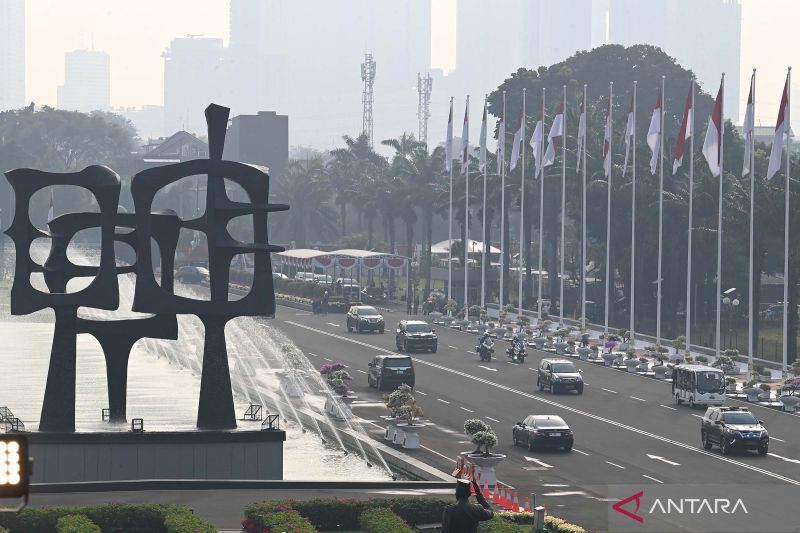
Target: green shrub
column 76, row 523
column 500, row 525
column 382, row 521
column 3, row 530
column 288, row 521
column 187, row 523
column 525, row 520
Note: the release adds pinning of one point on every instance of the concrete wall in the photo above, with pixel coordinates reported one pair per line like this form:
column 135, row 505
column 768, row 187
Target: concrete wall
column 135, row 456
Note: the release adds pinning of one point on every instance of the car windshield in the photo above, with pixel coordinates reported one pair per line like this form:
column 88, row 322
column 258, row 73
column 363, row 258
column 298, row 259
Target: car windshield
column 549, row 422
column 710, row 382
column 367, row 311
column 563, row 367
column 739, row 418
column 397, row 363
column 418, row 328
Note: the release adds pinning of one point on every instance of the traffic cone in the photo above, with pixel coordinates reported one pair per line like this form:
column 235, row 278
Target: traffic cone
column 527, row 507
column 515, row 504
column 485, row 490
column 496, row 495
column 504, row 503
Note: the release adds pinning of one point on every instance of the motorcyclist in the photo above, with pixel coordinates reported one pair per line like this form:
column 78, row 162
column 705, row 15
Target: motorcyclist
column 517, row 346
column 486, row 340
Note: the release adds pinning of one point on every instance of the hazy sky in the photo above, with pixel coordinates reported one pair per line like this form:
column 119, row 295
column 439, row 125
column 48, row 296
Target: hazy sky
column 135, row 33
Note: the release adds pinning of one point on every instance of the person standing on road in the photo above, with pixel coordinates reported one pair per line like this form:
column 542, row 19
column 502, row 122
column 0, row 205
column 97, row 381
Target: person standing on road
column 463, row 517
column 416, row 304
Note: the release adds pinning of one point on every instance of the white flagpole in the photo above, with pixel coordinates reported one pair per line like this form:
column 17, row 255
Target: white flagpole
column 788, row 128
column 467, row 241
column 541, row 213
column 522, row 206
column 660, row 212
column 485, row 244
column 450, row 220
column 563, row 202
column 689, row 242
column 583, row 214
column 633, row 220
column 502, row 154
column 750, row 289
column 609, row 275
column 719, row 216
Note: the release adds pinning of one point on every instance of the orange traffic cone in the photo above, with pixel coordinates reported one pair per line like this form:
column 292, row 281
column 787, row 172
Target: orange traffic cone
column 496, row 495
column 505, row 503
column 527, row 505
column 485, row 491
column 515, row 504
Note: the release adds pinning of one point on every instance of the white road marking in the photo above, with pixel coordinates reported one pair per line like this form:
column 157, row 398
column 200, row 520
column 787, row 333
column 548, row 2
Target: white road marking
column 659, row 458
column 654, row 479
column 784, row 458
column 532, row 369
column 696, row 416
column 313, row 354
column 443, row 401
column 667, row 407
column 637, row 399
column 487, row 368
column 465, row 409
column 359, row 370
column 553, row 485
column 537, row 461
column 420, row 392
column 332, row 324
column 302, row 314
column 776, row 438
column 452, row 347
column 565, row 493
column 493, row 419
column 565, row 407
column 615, row 464
column 327, row 358
column 580, row 452
column 609, row 390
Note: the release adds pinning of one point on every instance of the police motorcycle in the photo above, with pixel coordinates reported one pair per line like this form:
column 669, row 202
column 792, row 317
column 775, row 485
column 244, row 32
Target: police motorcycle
column 485, row 347
column 517, row 349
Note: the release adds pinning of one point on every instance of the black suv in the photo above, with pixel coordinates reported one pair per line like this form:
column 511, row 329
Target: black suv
column 733, row 428
column 543, row 431
column 415, row 335
column 390, row 371
column 364, row 318
column 191, row 274
column 559, row 375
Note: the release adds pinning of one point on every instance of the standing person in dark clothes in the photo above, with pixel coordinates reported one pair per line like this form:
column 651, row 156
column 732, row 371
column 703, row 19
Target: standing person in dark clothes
column 416, row 304
column 463, row 517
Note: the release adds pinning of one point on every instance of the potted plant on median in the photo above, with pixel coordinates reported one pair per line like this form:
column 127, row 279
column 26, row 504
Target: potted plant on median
column 409, row 428
column 751, row 390
column 394, row 402
column 730, row 385
column 484, row 437
column 659, row 368
column 790, row 396
column 631, row 361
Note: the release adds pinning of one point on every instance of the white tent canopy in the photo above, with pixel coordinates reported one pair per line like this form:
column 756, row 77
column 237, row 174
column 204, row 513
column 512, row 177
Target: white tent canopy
column 476, row 247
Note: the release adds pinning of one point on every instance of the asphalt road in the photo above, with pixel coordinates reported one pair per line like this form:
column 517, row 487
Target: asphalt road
column 627, row 429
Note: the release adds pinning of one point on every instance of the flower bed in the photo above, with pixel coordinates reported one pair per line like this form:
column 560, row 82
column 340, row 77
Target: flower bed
column 76, row 523
column 507, row 522
column 382, row 521
column 144, row 518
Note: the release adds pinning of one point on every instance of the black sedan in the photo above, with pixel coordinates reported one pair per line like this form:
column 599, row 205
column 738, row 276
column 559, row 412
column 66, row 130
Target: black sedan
column 191, row 274
column 543, row 431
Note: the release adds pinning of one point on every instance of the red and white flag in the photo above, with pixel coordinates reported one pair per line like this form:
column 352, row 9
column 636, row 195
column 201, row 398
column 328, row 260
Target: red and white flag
column 685, row 131
column 628, row 135
column 581, row 133
column 501, row 144
column 537, row 141
column 782, row 130
column 448, row 144
column 713, row 143
column 519, row 135
column 748, row 128
column 654, row 133
column 607, row 139
column 465, row 140
column 482, row 153
column 51, row 210
column 556, row 132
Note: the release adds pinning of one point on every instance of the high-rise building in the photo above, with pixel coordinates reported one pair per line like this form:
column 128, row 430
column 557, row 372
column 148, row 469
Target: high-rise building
column 245, row 58
column 87, row 81
column 194, row 75
column 261, row 139
column 683, row 29
column 12, row 54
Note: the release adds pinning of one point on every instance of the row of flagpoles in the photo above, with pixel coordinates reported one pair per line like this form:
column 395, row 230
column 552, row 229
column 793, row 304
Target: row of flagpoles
column 712, row 152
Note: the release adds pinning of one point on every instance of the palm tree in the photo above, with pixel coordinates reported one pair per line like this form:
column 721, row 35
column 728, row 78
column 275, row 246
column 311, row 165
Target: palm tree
column 349, row 167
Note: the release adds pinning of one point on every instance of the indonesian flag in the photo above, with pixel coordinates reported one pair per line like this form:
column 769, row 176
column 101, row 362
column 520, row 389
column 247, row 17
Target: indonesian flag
column 581, row 133
column 51, row 210
column 781, row 129
column 501, row 145
column 748, row 127
column 537, row 141
column 713, row 142
column 654, row 133
column 482, row 156
column 684, row 133
column 519, row 134
column 607, row 140
column 556, row 132
column 465, row 140
column 628, row 136
column 448, row 144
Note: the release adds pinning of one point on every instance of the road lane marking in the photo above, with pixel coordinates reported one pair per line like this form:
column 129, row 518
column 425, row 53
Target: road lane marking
column 609, row 390
column 788, row 460
column 465, row 409
column 659, row 458
column 637, row 399
column 554, row 485
column 654, row 479
column 580, row 452
column 443, row 401
column 420, row 392
column 327, row 358
column 487, row 368
column 532, row 369
column 452, row 347
column 493, row 419
column 315, row 355
column 565, row 407
column 776, row 438
column 359, row 370
column 537, row 461
column 615, row 464
column 332, row 324
column 667, row 407
column 696, row 416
